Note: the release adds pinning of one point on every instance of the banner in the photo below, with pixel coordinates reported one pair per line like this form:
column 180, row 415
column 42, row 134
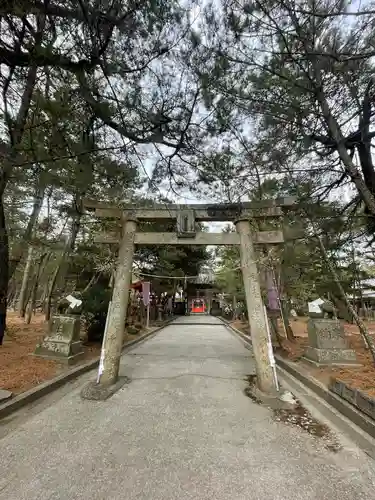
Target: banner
column 146, row 289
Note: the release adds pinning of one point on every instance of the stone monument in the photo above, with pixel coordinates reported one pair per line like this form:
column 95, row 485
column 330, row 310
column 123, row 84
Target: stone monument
column 327, row 342
column 62, row 342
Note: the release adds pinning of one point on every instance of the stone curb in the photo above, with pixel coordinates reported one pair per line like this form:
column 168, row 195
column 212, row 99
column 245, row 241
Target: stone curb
column 230, row 327
column 357, row 398
column 246, row 340
column 356, row 416
column 49, row 386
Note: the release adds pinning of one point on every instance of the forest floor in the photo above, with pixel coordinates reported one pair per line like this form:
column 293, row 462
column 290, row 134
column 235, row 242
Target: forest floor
column 19, row 369
column 359, row 377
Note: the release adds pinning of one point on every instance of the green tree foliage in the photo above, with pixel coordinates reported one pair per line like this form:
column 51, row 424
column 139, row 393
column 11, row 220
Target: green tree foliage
column 299, row 268
column 229, row 276
column 298, row 77
column 86, row 87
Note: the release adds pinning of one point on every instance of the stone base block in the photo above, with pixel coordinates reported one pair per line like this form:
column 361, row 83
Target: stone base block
column 97, row 392
column 68, row 354
column 331, row 356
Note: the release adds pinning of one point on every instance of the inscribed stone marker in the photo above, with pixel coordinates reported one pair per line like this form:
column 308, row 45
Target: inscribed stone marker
column 62, row 341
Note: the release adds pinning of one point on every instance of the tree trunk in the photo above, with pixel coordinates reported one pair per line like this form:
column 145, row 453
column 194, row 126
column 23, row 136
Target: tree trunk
column 234, row 306
column 361, row 326
column 30, row 309
column 12, row 293
column 92, row 281
column 285, row 319
column 60, row 271
column 367, row 167
column 43, row 299
column 34, row 288
column 272, row 320
column 52, row 284
column 284, row 309
column 22, row 299
column 364, row 145
column 71, row 242
column 15, row 129
column 364, row 192
column 19, row 251
column 46, row 284
column 4, row 270
column 111, row 279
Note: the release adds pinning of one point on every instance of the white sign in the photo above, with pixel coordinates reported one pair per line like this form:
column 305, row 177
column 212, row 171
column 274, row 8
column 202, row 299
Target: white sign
column 270, row 350
column 73, row 301
column 102, row 352
column 314, row 306
column 270, row 355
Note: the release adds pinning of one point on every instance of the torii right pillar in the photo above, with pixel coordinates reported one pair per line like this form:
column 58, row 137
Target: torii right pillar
column 255, row 309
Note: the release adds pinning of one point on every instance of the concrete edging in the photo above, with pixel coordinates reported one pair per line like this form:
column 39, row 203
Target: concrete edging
column 49, row 386
column 246, row 340
column 357, row 398
column 356, row 416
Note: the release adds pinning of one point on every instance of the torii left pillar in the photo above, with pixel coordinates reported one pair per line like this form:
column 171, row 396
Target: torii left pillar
column 108, row 380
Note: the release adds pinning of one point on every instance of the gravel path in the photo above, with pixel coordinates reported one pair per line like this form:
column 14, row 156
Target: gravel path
column 182, row 429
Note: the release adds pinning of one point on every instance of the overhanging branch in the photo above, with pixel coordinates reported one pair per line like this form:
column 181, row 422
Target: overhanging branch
column 41, row 58
column 101, row 112
column 25, row 7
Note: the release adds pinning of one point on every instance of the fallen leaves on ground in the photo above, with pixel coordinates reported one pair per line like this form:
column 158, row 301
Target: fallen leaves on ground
column 362, row 377
column 20, row 370
column 297, row 415
column 359, row 377
column 302, row 418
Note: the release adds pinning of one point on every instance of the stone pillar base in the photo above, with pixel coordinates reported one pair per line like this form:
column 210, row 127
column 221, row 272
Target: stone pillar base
column 331, row 356
column 98, row 392
column 47, row 351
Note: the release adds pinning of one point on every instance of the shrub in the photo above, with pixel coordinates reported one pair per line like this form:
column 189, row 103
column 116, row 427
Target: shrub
column 94, row 311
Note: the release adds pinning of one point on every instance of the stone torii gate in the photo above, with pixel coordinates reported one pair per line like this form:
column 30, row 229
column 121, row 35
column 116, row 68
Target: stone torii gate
column 186, row 217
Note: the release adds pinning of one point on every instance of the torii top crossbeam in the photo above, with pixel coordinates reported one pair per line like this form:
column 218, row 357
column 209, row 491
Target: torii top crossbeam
column 210, row 212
